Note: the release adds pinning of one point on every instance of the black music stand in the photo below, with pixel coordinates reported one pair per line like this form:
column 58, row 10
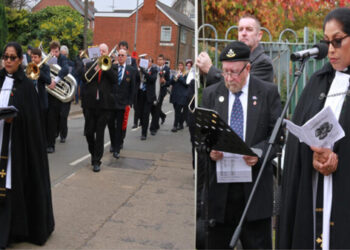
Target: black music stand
column 211, row 132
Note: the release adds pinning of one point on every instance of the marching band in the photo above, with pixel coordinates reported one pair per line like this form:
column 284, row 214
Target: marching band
column 109, row 83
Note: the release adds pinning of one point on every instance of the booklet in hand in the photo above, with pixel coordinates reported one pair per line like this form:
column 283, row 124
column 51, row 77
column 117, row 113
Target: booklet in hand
column 322, row 130
column 217, row 134
column 8, row 112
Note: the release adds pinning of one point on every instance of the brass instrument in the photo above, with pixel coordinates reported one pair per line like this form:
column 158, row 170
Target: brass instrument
column 104, row 62
column 33, row 70
column 83, row 54
column 65, row 88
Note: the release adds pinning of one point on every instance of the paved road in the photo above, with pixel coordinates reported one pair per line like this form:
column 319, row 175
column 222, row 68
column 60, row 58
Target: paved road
column 144, row 200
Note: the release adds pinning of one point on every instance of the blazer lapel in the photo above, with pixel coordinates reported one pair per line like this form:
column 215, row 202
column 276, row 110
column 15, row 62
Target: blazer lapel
column 221, row 102
column 253, row 110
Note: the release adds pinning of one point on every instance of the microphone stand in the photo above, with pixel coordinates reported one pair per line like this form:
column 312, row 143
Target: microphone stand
column 272, row 142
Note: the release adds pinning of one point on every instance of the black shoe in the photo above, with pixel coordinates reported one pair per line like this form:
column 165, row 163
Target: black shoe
column 153, row 132
column 143, row 137
column 116, row 155
column 111, row 149
column 163, row 119
column 50, row 150
column 180, row 127
column 63, row 140
column 174, row 129
column 134, row 126
column 96, row 168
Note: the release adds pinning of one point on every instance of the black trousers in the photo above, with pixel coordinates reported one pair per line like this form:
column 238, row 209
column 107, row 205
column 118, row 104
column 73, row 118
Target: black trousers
column 138, row 107
column 53, row 118
column 254, row 235
column 95, row 123
column 146, row 110
column 63, row 127
column 5, row 220
column 161, row 99
column 179, row 115
column 155, row 112
column 115, row 124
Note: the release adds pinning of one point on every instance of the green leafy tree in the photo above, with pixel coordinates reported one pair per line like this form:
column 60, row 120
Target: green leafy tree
column 18, row 25
column 52, row 23
column 3, row 26
column 59, row 23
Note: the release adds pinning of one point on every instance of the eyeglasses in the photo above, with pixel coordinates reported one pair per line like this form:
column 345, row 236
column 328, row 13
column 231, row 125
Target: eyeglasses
column 230, row 74
column 12, row 58
column 336, row 43
column 120, row 55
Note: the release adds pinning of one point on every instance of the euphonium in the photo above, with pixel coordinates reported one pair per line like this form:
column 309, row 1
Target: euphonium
column 65, row 88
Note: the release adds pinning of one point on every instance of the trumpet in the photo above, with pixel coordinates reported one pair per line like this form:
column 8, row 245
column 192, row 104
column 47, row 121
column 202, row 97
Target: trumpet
column 178, row 74
column 33, row 70
column 83, row 54
column 104, row 62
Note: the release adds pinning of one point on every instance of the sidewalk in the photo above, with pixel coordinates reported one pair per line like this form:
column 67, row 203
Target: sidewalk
column 144, row 200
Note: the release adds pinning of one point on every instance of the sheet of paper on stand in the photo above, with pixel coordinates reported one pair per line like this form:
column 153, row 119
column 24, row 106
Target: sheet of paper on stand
column 232, row 168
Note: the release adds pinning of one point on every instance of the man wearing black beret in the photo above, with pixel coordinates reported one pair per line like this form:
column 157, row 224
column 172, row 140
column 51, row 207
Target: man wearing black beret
column 250, row 107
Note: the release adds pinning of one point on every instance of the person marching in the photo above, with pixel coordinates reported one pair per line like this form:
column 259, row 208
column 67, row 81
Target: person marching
column 124, row 97
column 178, row 96
column 55, row 105
column 41, row 83
column 98, row 102
column 148, row 96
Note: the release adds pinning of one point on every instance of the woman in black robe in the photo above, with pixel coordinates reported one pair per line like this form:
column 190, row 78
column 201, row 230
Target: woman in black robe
column 26, row 212
column 299, row 220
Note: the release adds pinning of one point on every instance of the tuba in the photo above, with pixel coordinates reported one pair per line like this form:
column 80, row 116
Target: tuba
column 65, row 88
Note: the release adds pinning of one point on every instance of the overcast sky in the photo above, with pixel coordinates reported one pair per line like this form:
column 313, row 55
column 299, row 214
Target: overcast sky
column 107, row 5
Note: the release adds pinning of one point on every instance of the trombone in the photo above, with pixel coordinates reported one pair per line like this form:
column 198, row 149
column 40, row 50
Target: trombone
column 33, row 70
column 104, row 62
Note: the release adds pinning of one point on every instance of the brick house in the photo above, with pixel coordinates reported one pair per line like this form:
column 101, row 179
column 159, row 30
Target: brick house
column 77, row 5
column 160, row 30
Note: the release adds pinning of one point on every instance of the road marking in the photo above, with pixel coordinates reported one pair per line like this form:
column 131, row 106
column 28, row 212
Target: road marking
column 86, row 156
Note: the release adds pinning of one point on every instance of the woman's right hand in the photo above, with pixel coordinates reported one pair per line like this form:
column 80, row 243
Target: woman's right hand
column 325, row 160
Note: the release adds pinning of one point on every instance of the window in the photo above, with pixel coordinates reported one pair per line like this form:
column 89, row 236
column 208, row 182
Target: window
column 183, row 36
column 165, row 34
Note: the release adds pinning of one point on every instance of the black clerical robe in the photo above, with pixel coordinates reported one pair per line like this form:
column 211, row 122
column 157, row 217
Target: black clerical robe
column 31, row 205
column 296, row 219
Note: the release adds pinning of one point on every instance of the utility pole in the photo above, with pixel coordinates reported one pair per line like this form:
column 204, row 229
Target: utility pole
column 86, row 7
column 137, row 15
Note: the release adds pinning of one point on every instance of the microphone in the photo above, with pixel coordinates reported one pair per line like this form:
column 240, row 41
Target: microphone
column 318, row 51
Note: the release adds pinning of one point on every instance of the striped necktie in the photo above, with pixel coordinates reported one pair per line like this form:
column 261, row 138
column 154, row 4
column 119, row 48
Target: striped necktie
column 120, row 73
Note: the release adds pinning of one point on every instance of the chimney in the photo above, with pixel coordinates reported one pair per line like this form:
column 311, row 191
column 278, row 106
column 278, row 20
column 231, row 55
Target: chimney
column 149, row 9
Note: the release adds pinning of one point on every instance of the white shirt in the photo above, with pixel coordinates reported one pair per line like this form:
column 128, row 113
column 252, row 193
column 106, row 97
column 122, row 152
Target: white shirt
column 4, row 101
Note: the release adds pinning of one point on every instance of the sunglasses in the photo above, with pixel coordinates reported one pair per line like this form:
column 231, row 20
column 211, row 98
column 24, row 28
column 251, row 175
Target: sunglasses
column 336, row 43
column 12, row 58
column 120, row 55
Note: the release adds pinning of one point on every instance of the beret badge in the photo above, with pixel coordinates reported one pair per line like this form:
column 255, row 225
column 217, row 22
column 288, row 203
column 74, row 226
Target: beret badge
column 231, row 54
